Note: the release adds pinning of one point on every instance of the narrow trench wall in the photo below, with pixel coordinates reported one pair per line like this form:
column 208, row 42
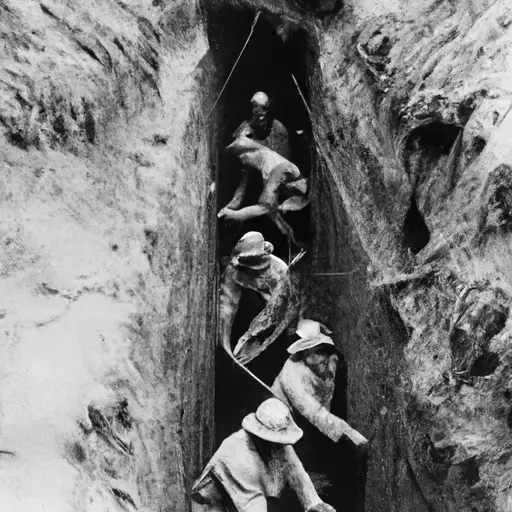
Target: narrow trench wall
column 107, row 244
column 404, row 115
column 108, row 228
column 372, row 337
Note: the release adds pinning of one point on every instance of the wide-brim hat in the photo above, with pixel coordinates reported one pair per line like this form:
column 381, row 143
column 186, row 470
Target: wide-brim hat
column 301, row 345
column 252, row 251
column 273, row 422
column 310, row 337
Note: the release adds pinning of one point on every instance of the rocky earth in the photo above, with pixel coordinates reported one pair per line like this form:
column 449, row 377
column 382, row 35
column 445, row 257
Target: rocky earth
column 108, row 244
column 107, row 231
column 412, row 109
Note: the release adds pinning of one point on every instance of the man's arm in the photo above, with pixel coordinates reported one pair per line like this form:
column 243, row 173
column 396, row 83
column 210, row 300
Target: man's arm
column 244, row 130
column 281, row 134
column 249, row 212
column 229, row 298
column 294, row 381
column 238, row 196
column 299, row 480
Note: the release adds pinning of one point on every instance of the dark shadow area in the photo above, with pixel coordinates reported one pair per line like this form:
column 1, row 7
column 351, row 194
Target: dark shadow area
column 416, row 232
column 432, row 160
column 436, row 138
column 267, row 65
column 485, row 364
column 509, row 419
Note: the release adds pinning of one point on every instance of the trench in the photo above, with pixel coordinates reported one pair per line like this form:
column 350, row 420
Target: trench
column 268, row 64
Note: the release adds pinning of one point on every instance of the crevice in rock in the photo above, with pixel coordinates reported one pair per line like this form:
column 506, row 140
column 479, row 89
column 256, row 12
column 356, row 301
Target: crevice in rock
column 415, row 232
column 435, row 138
column 484, row 365
column 469, row 471
column 432, row 157
column 509, row 419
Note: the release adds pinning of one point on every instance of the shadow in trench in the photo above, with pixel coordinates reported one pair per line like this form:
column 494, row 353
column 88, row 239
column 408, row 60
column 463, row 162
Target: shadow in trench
column 267, row 65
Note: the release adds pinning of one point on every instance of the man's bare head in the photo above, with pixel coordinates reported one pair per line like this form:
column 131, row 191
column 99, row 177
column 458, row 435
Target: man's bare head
column 260, row 104
column 260, row 99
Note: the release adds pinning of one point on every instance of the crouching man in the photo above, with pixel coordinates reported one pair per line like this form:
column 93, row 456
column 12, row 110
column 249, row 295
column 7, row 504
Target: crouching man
column 252, row 267
column 306, row 383
column 254, row 464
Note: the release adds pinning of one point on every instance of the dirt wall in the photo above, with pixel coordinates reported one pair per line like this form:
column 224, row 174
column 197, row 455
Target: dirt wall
column 107, row 236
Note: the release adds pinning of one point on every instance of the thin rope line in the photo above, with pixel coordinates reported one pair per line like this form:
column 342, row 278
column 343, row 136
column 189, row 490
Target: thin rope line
column 256, row 378
column 303, row 98
column 333, row 273
column 314, row 128
column 236, row 62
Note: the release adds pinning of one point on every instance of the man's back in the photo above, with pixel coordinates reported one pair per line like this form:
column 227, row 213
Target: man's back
column 238, row 467
column 275, row 139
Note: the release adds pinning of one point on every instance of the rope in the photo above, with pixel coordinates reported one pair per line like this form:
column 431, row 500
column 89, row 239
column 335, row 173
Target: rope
column 236, row 62
column 303, row 99
column 313, row 124
column 334, row 273
column 257, row 379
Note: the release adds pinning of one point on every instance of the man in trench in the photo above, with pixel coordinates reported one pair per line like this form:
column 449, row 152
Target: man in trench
column 254, row 267
column 262, row 144
column 306, row 383
column 264, row 128
column 256, row 463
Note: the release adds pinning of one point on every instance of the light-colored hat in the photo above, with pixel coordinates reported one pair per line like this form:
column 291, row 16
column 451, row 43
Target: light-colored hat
column 310, row 336
column 252, row 251
column 273, row 422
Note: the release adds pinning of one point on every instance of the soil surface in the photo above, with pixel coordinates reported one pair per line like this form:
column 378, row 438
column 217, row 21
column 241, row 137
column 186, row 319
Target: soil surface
column 110, row 174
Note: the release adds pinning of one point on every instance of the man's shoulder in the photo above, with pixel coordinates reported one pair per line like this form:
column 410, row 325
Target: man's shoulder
column 293, row 368
column 278, row 264
column 244, row 129
column 278, row 127
column 237, row 450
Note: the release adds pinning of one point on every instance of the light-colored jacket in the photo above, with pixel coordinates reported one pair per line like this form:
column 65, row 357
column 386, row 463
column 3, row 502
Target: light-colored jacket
column 236, row 278
column 277, row 140
column 311, row 396
column 249, row 480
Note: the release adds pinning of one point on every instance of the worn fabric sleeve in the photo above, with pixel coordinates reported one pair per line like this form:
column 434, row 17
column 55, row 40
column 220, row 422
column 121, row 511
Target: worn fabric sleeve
column 229, row 299
column 239, row 194
column 240, row 470
column 244, row 130
column 298, row 479
column 294, row 379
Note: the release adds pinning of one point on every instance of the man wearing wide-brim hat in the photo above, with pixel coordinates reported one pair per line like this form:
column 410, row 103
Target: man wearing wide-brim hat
column 254, row 464
column 306, row 382
column 253, row 267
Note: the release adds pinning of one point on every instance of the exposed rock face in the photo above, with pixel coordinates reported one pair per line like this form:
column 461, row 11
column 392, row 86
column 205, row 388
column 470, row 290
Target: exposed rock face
column 415, row 101
column 108, row 230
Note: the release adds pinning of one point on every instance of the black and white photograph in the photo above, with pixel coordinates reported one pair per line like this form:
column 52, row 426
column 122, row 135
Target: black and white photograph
column 255, row 256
